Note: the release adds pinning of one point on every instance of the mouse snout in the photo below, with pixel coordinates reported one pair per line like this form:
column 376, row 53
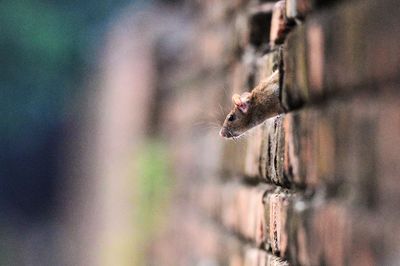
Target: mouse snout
column 225, row 133
column 222, row 133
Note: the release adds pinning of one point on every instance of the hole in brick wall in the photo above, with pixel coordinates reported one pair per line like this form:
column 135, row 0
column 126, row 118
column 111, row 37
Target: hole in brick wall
column 325, row 3
column 251, row 80
column 260, row 24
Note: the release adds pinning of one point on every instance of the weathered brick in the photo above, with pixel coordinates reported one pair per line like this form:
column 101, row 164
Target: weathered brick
column 211, row 244
column 295, row 81
column 317, row 146
column 276, row 210
column 242, row 210
column 299, row 235
column 362, row 42
column 309, row 149
column 280, row 26
column 372, row 238
column 254, row 140
column 388, row 153
column 260, row 223
column 272, row 152
column 339, row 153
column 257, row 257
column 316, row 67
column 373, row 168
column 330, row 236
column 253, row 226
column 297, row 9
column 340, row 50
column 335, row 233
column 338, row 146
column 319, row 233
column 296, row 140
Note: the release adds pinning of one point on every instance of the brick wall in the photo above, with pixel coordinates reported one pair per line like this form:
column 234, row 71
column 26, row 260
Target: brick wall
column 316, row 185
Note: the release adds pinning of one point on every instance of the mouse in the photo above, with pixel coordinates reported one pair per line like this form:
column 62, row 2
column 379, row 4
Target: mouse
column 253, row 108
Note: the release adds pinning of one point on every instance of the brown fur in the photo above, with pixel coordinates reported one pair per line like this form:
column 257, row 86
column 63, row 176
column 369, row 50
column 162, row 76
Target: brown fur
column 263, row 103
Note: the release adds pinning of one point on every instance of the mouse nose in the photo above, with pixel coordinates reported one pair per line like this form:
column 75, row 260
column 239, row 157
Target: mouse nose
column 224, row 133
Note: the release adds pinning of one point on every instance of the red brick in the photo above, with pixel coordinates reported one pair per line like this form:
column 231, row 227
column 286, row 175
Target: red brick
column 298, row 9
column 340, row 50
column 242, row 210
column 339, row 153
column 254, row 140
column 319, row 233
column 272, row 152
column 279, row 24
column 388, row 153
column 295, row 80
column 300, row 161
column 315, row 57
column 276, row 211
column 257, row 257
column 373, row 169
column 333, row 233
column 346, row 143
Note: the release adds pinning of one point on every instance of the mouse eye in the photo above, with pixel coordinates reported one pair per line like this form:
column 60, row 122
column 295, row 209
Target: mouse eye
column 231, row 117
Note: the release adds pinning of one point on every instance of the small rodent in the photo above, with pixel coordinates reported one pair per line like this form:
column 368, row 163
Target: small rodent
column 251, row 109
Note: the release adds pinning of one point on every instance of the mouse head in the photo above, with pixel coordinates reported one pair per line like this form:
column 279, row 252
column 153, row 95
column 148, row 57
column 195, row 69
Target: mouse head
column 238, row 119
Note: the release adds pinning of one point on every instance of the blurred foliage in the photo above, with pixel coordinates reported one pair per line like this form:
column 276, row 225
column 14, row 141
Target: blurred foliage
column 154, row 189
column 46, row 50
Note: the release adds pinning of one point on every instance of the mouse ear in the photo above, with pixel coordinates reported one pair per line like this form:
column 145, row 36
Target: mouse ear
column 243, row 107
column 244, row 102
column 236, row 99
column 245, row 97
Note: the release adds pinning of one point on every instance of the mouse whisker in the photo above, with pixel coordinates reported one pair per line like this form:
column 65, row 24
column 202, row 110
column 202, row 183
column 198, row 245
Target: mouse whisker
column 221, row 110
column 233, row 136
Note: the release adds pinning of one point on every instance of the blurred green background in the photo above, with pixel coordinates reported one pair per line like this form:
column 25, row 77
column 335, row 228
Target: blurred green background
column 46, row 49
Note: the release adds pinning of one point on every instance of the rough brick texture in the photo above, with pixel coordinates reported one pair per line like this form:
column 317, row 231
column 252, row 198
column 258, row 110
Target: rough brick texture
column 317, row 185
